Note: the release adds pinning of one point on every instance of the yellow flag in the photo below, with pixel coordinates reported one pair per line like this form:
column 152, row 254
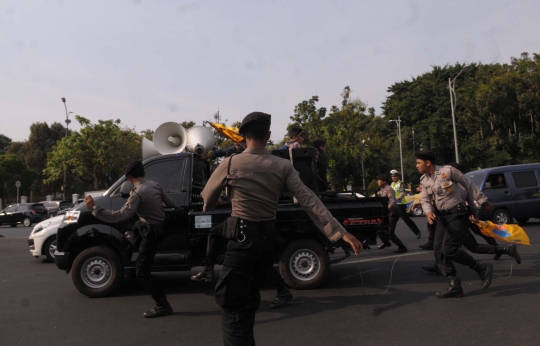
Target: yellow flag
column 228, row 131
column 508, row 233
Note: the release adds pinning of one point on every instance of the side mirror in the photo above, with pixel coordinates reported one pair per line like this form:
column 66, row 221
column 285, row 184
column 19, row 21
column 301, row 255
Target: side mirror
column 125, row 189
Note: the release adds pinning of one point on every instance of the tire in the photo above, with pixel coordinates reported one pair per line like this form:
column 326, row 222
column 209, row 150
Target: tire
column 97, row 272
column 13, row 225
column 49, row 247
column 27, row 222
column 522, row 220
column 417, row 211
column 501, row 216
column 304, row 264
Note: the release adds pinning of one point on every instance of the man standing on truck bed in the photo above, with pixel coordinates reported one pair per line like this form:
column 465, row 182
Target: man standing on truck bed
column 146, row 199
column 256, row 179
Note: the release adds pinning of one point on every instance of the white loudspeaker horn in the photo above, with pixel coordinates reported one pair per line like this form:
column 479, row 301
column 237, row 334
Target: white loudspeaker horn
column 148, row 149
column 200, row 139
column 170, row 138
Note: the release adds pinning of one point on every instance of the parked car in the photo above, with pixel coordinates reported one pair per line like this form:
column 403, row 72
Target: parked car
column 513, row 190
column 414, row 205
column 42, row 240
column 52, row 207
column 72, row 205
column 25, row 213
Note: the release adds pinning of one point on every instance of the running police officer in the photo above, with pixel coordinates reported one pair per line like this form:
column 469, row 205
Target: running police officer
column 146, row 200
column 255, row 179
column 441, row 183
column 387, row 191
column 399, row 189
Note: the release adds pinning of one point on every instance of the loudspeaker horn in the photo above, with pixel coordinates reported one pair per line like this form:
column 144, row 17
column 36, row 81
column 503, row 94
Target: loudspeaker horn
column 148, row 149
column 200, row 139
column 170, row 138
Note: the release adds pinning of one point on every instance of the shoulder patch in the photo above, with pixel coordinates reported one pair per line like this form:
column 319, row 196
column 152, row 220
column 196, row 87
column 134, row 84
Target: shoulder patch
column 456, row 170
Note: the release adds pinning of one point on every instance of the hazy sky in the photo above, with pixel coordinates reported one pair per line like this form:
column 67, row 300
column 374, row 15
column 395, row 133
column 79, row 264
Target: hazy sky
column 148, row 62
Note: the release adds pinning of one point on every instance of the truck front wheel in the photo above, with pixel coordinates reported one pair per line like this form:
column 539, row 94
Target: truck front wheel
column 304, row 264
column 97, row 272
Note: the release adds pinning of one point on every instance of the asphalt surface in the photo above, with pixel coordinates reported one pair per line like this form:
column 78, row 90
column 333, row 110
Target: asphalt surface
column 39, row 304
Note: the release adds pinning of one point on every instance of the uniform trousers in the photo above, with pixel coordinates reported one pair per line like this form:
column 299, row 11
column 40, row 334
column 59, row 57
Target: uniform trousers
column 390, row 235
column 151, row 237
column 216, row 246
column 402, row 208
column 244, row 271
column 451, row 233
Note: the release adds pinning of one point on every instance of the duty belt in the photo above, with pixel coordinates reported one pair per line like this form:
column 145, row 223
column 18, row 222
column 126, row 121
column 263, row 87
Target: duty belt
column 453, row 209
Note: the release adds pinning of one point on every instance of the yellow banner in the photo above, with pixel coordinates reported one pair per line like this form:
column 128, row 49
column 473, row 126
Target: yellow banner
column 507, row 232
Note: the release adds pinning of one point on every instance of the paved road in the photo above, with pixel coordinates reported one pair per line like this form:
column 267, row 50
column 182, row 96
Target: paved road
column 39, row 305
column 16, row 232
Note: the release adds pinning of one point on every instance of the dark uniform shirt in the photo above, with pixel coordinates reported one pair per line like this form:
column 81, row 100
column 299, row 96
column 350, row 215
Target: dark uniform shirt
column 146, row 199
column 444, row 188
column 256, row 180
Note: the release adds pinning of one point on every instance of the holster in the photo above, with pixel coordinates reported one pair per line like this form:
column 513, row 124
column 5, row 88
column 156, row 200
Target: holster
column 231, row 228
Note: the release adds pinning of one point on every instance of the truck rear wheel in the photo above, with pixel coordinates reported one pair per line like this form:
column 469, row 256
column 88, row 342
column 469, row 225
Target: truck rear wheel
column 304, row 264
column 97, row 272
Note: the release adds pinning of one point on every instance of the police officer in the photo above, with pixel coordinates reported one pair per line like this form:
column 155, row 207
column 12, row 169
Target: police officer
column 387, row 191
column 399, row 189
column 441, row 183
column 233, row 149
column 255, row 179
column 146, row 200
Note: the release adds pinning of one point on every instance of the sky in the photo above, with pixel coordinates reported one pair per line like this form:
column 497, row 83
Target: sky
column 149, row 62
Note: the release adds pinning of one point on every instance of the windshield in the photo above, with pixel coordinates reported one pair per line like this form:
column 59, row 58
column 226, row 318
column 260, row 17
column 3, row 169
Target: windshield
column 476, row 178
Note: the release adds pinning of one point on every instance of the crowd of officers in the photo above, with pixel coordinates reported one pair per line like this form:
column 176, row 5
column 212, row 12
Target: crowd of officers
column 255, row 180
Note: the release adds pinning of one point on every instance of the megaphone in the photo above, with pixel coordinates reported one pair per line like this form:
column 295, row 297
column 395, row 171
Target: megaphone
column 170, row 138
column 148, row 149
column 200, row 139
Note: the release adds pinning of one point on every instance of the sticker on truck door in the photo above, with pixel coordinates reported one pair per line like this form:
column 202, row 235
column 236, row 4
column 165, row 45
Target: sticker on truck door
column 361, row 222
column 203, row 221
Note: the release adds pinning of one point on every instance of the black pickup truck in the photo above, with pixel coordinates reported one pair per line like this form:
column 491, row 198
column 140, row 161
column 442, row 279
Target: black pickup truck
column 99, row 257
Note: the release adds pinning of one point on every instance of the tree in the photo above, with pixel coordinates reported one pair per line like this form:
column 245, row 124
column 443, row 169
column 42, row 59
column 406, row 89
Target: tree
column 97, row 155
column 5, row 142
column 12, row 169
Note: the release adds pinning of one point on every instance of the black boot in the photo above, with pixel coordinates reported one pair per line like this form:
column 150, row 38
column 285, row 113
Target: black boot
column 485, row 271
column 159, row 311
column 384, row 245
column 499, row 251
column 206, row 275
column 510, row 250
column 434, row 269
column 454, row 289
column 162, row 308
column 427, row 246
column 282, row 298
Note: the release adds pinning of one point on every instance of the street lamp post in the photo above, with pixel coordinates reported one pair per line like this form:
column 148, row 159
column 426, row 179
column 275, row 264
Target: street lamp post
column 398, row 122
column 363, row 175
column 451, row 88
column 67, row 124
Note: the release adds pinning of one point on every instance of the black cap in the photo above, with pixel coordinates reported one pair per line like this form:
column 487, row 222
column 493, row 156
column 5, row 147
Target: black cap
column 135, row 165
column 255, row 119
column 383, row 177
column 426, row 154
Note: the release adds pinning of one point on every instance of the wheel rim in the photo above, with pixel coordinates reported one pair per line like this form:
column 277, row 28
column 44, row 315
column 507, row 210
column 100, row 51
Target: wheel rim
column 501, row 218
column 52, row 248
column 96, row 272
column 26, row 222
column 417, row 211
column 304, row 264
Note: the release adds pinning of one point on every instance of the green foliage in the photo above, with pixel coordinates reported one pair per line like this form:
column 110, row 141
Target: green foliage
column 5, row 142
column 12, row 169
column 97, row 155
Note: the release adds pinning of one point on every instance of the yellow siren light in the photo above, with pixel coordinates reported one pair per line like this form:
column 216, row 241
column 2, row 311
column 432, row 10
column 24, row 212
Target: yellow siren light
column 228, row 131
